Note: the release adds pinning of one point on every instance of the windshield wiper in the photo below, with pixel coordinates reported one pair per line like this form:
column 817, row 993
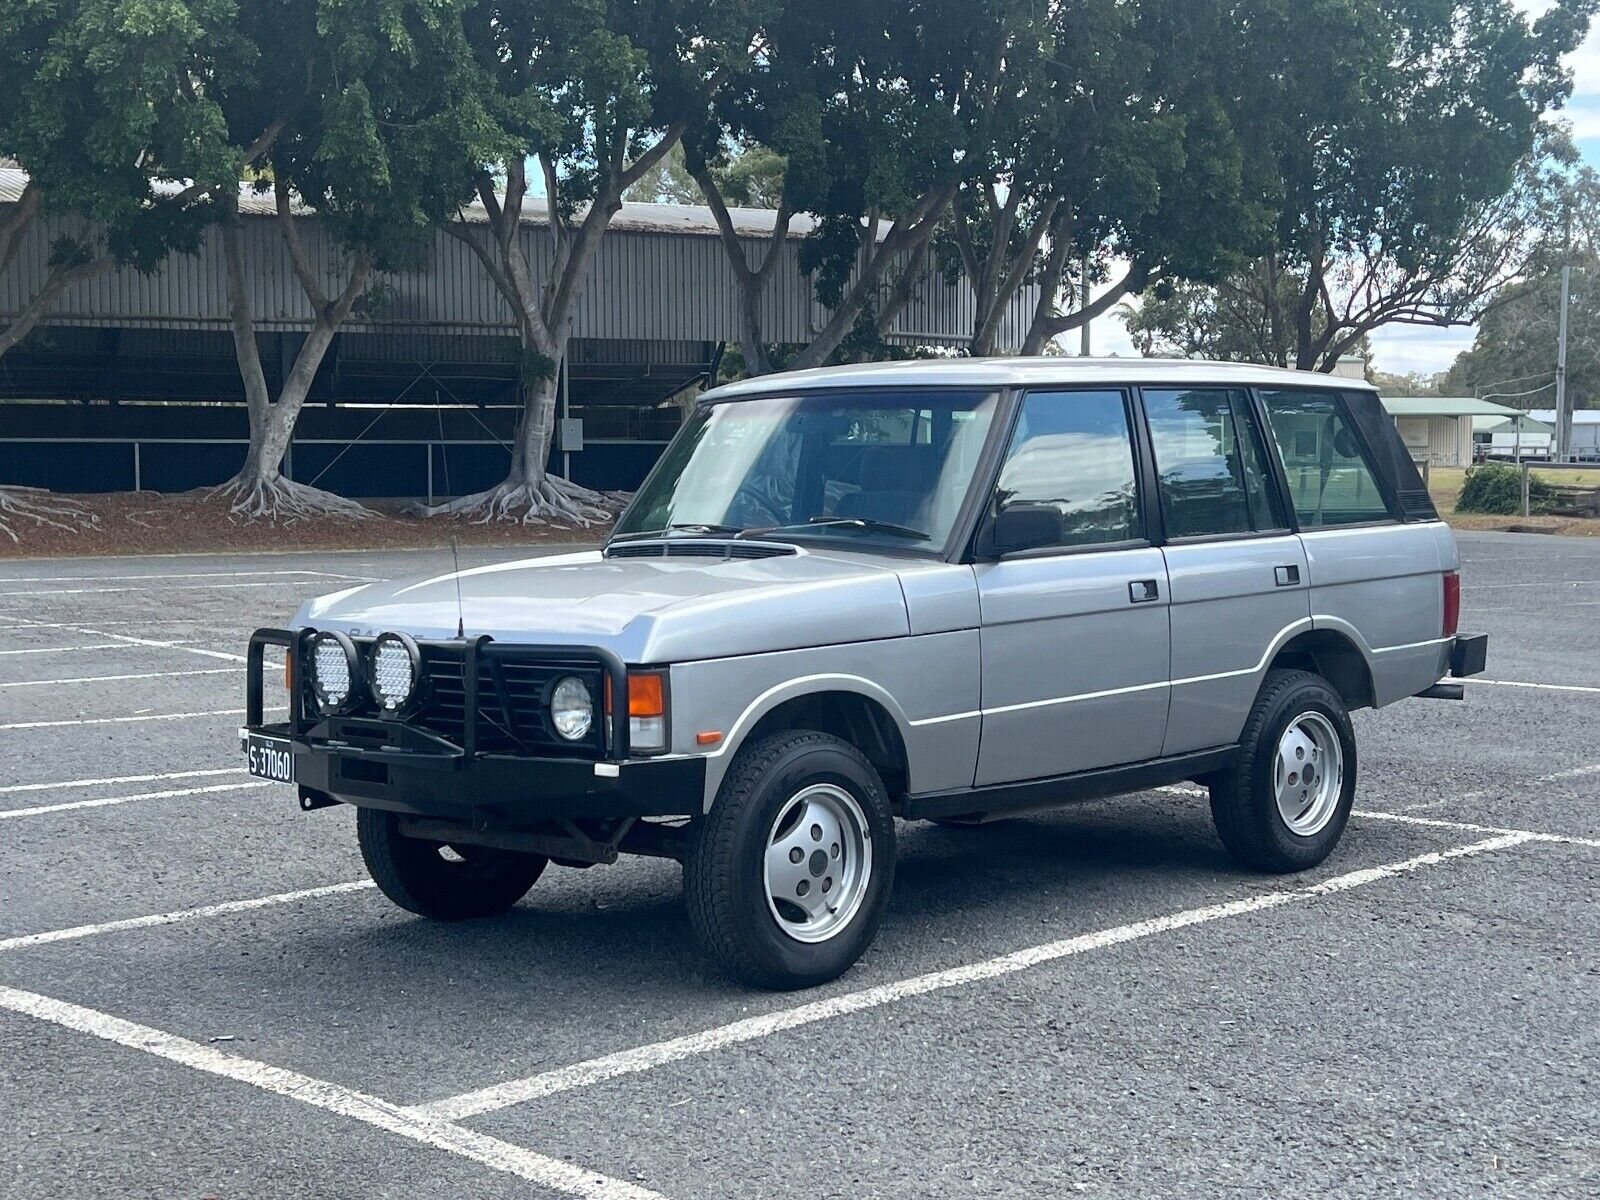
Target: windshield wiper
column 867, row 524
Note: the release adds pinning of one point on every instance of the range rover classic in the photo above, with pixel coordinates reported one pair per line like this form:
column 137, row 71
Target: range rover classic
column 927, row 591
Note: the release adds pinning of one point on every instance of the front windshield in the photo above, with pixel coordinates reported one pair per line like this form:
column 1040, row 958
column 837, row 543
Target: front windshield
column 880, row 466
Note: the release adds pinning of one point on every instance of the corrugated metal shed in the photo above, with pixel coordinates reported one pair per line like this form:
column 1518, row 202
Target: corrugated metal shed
column 660, row 275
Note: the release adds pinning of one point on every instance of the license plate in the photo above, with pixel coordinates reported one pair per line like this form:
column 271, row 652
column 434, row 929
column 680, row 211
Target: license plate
column 270, row 757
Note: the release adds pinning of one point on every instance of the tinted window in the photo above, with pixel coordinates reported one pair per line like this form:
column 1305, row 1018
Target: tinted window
column 1329, row 479
column 1072, row 451
column 1210, row 462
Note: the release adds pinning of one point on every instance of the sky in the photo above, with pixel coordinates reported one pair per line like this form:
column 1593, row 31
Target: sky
column 1404, row 349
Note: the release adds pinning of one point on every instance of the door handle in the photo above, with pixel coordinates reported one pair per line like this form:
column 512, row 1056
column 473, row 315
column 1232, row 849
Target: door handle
column 1142, row 591
column 1286, row 576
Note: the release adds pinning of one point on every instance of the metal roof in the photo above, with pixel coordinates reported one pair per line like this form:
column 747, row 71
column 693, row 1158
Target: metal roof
column 1032, row 372
column 1580, row 416
column 1444, row 406
column 639, row 218
column 660, row 274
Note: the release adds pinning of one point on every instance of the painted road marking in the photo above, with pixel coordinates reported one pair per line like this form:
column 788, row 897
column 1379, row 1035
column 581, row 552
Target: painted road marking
column 1517, row 683
column 175, row 575
column 121, row 678
column 177, row 587
column 75, row 649
column 114, row 779
column 179, row 916
column 567, row 1178
column 129, row 639
column 108, row 801
column 182, row 716
column 647, row 1058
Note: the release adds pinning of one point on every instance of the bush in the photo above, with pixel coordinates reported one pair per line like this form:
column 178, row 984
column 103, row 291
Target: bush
column 1496, row 489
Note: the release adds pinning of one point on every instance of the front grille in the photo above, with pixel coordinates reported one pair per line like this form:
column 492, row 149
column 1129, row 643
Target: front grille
column 512, row 687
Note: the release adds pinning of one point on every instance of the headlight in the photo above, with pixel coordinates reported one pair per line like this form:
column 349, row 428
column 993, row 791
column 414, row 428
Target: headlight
column 393, row 671
column 333, row 657
column 571, row 708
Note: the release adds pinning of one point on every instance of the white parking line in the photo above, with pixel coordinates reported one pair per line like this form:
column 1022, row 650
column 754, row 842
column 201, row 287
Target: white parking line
column 130, row 640
column 111, row 779
column 1561, row 839
column 175, row 575
column 490, row 1152
column 155, row 920
column 75, row 649
column 182, row 716
column 1517, row 683
column 121, row 678
column 648, row 1058
column 177, row 587
column 108, row 801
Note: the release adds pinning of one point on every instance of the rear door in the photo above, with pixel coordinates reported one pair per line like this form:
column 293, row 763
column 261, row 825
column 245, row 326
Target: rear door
column 1374, row 577
column 1075, row 637
column 1237, row 573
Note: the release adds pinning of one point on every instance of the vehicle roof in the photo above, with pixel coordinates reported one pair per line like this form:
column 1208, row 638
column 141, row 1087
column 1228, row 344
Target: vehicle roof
column 1028, row 372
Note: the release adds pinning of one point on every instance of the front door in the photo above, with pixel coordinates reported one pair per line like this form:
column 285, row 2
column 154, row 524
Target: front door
column 1075, row 638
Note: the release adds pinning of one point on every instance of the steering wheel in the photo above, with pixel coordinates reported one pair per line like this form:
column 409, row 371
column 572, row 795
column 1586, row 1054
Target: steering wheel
column 747, row 491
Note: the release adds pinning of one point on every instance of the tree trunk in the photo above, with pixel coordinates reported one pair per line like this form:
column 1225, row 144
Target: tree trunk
column 259, row 490
column 529, row 493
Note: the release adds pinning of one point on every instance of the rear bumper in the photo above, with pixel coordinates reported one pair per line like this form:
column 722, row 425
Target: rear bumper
column 1468, row 654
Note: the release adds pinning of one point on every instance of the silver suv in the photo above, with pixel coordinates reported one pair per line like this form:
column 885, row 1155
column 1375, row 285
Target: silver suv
column 935, row 591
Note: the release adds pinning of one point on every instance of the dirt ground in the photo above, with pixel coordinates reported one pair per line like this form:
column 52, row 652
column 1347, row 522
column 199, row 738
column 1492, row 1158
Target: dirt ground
column 192, row 522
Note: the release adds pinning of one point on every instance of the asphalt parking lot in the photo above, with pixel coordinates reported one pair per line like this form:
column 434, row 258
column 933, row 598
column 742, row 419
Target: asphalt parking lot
column 200, row 995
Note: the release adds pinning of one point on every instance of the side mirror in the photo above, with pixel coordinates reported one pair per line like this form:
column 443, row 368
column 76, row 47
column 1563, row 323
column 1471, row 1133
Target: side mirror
column 1024, row 527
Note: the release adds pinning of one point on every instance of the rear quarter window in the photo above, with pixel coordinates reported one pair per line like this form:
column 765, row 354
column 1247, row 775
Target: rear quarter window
column 1330, row 481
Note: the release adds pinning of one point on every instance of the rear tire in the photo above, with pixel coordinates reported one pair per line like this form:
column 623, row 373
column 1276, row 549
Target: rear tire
column 788, row 875
column 440, row 881
column 1283, row 805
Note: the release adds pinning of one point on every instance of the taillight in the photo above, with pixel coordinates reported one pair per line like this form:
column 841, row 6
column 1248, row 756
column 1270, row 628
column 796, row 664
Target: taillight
column 1452, row 602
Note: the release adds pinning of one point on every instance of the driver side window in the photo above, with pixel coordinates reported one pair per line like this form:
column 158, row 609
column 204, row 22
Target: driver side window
column 1072, row 453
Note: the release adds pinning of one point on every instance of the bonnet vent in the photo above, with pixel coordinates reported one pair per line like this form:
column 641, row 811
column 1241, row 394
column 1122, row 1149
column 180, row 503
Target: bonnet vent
column 724, row 549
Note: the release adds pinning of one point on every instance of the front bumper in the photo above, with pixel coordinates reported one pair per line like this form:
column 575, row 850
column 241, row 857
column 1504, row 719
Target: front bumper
column 377, row 763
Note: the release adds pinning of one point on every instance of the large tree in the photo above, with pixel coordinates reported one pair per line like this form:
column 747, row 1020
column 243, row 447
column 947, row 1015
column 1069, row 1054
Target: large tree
column 1395, row 142
column 369, row 122
column 876, row 113
column 591, row 97
column 1120, row 162
column 1513, row 355
column 102, row 104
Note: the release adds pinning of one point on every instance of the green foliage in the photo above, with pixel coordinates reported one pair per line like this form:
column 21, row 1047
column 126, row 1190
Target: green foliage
column 1515, row 347
column 100, row 102
column 1496, row 489
column 1394, row 144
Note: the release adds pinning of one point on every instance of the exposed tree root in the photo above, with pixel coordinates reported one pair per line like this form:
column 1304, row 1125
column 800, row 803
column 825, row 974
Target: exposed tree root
column 550, row 500
column 283, row 500
column 42, row 508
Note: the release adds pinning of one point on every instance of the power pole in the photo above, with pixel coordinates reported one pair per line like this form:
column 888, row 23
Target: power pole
column 1563, row 412
column 1084, row 346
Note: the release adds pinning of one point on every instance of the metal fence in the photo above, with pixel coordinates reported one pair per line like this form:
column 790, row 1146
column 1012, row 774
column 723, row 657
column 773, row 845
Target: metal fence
column 409, row 468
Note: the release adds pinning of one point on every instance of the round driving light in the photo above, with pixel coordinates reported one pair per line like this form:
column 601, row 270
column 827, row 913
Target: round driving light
column 332, row 670
column 571, row 707
column 393, row 669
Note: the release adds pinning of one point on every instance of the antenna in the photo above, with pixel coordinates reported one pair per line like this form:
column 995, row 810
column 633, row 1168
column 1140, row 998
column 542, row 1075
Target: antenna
column 455, row 549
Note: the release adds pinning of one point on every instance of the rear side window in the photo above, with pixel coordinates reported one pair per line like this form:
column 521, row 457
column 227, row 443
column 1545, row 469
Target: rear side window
column 1210, row 463
column 1073, row 452
column 1330, row 481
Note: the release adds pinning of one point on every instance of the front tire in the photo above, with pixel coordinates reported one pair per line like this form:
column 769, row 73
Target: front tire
column 788, row 875
column 1283, row 805
column 440, row 881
